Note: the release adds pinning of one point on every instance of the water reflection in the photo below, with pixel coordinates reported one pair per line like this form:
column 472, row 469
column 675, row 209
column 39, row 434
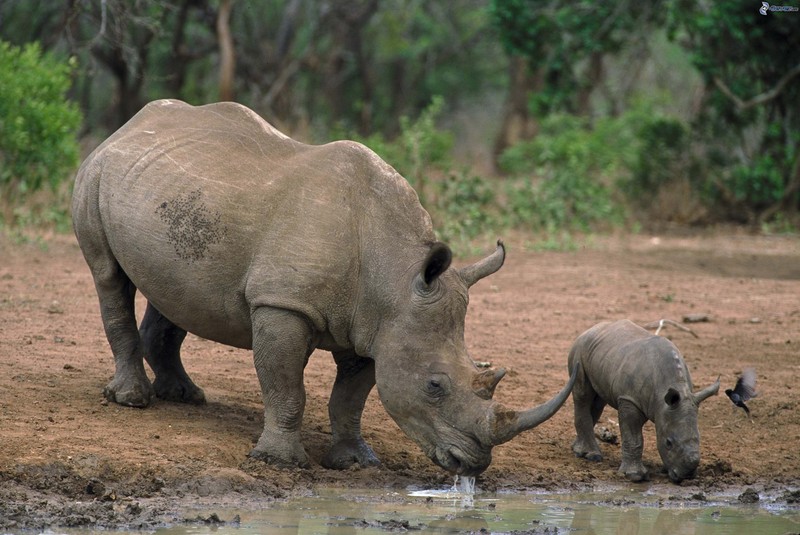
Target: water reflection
column 352, row 511
column 715, row 519
column 514, row 512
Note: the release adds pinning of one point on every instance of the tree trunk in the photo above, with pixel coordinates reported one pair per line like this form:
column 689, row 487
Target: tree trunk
column 227, row 58
column 179, row 61
column 592, row 78
column 518, row 123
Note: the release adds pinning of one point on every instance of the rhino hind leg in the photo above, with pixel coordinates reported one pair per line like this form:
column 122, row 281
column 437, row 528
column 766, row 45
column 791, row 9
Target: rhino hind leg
column 162, row 341
column 130, row 385
column 588, row 407
column 355, row 377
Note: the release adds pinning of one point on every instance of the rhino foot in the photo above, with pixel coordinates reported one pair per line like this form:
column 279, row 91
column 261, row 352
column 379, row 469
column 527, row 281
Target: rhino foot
column 280, row 461
column 346, row 453
column 590, row 454
column 281, row 450
column 182, row 390
column 634, row 472
column 129, row 393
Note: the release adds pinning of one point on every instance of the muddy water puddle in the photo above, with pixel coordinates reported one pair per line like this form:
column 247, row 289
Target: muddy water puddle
column 605, row 511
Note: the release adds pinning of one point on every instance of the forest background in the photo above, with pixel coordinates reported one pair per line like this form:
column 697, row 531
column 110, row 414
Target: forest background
column 553, row 119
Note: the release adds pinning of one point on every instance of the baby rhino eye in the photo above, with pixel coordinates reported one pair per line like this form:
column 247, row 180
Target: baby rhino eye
column 668, row 443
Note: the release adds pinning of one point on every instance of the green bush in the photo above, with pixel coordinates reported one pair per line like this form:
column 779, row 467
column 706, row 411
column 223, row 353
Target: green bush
column 568, row 173
column 746, row 133
column 662, row 153
column 38, row 125
column 464, row 208
column 765, row 179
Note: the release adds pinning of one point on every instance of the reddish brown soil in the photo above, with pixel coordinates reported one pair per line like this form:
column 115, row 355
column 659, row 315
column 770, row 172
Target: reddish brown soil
column 62, row 443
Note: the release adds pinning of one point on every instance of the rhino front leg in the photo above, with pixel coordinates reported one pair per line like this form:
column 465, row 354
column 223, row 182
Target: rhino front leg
column 162, row 341
column 282, row 343
column 355, row 377
column 631, row 421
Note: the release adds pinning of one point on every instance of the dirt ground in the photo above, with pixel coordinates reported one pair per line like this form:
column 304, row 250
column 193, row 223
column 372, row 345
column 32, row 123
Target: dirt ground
column 67, row 457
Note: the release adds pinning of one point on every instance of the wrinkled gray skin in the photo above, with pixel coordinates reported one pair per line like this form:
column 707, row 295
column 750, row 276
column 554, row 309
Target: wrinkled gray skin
column 644, row 377
column 236, row 233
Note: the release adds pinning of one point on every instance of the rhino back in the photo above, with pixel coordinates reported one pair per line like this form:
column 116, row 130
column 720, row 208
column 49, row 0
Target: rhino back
column 211, row 212
column 623, row 359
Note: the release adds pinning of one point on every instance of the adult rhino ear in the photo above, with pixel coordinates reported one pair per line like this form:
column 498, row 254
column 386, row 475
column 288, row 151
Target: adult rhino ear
column 436, row 263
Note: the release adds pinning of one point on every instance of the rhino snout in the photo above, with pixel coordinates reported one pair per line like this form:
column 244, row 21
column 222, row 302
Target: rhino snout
column 676, row 475
column 456, row 461
column 685, row 468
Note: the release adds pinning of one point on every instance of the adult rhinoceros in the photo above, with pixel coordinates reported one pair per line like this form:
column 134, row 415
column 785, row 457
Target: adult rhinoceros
column 241, row 235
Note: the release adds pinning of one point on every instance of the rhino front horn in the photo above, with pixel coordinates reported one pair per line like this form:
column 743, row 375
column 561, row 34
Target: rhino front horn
column 506, row 424
column 482, row 268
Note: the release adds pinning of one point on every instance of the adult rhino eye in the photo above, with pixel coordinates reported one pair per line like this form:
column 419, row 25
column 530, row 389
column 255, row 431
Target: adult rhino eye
column 668, row 443
column 436, row 386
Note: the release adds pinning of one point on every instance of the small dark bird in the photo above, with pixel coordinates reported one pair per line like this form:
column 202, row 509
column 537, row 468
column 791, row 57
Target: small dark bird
column 744, row 390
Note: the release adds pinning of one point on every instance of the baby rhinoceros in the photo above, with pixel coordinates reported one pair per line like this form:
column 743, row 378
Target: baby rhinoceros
column 644, row 377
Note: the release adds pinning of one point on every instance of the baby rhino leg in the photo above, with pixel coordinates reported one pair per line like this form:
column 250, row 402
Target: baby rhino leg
column 588, row 408
column 631, row 421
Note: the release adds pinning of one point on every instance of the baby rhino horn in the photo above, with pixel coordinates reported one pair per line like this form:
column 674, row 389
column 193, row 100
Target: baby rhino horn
column 486, row 381
column 708, row 391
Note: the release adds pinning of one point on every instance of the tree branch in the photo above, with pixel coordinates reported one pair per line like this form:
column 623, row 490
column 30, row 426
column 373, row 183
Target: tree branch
column 758, row 99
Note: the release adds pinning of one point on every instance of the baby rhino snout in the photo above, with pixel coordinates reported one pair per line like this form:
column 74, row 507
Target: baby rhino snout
column 686, row 469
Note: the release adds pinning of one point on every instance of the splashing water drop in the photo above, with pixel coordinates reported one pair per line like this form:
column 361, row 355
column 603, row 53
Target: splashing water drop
column 463, row 488
column 464, row 485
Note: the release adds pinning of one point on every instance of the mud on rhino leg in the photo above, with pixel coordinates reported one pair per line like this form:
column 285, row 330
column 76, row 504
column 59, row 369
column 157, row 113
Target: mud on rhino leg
column 130, row 385
column 588, row 407
column 162, row 341
column 282, row 343
column 631, row 421
column 355, row 377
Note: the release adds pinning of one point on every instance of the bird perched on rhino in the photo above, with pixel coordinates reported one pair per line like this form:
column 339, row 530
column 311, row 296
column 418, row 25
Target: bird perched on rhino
column 745, row 389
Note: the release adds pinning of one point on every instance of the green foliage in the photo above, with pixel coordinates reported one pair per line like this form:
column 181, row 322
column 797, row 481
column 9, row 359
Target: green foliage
column 570, row 169
column 747, row 133
column 431, row 48
column 662, row 153
column 38, row 125
column 465, row 207
column 556, row 37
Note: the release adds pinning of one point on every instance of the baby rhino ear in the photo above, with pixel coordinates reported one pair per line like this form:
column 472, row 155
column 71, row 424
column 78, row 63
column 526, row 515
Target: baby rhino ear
column 672, row 397
column 437, row 262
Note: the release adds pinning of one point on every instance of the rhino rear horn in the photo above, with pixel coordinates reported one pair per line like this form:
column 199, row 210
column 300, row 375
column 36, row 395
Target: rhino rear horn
column 705, row 393
column 482, row 268
column 486, row 381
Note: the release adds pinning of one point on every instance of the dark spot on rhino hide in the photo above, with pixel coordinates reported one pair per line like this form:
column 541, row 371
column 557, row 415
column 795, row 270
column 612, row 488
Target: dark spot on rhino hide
column 192, row 227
